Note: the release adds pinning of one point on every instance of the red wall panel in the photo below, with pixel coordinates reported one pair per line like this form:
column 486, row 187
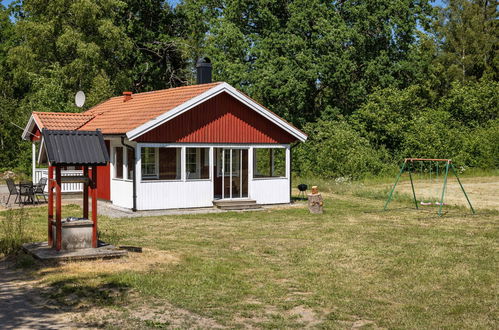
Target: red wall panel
column 221, row 119
column 104, row 179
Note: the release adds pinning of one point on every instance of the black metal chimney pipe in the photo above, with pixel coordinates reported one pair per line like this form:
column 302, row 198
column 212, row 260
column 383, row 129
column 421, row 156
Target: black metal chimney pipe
column 203, row 68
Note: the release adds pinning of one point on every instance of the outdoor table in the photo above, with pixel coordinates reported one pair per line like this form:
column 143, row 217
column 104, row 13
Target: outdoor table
column 27, row 189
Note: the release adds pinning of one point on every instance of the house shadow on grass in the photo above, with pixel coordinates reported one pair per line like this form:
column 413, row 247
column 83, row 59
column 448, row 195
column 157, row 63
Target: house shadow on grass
column 26, row 304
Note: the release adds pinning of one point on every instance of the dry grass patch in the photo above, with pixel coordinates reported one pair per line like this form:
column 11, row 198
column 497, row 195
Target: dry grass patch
column 482, row 191
column 146, row 261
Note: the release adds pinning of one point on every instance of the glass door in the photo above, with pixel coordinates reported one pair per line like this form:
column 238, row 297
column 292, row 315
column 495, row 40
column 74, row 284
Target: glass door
column 231, row 170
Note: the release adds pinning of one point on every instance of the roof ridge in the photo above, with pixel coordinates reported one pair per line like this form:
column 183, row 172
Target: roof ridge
column 61, row 113
column 177, row 88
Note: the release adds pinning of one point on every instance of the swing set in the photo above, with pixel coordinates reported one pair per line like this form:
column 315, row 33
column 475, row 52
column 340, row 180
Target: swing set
column 436, row 168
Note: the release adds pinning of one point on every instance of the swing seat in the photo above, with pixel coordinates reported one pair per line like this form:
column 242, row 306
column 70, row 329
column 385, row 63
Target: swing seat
column 425, row 203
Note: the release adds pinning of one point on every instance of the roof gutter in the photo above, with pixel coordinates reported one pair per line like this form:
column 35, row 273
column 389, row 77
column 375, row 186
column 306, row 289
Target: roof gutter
column 134, row 183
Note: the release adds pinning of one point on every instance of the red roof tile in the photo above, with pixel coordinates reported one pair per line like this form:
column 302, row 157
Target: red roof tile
column 61, row 120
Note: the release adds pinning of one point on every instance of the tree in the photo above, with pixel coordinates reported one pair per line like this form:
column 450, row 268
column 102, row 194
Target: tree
column 467, row 32
column 156, row 60
column 304, row 58
column 65, row 45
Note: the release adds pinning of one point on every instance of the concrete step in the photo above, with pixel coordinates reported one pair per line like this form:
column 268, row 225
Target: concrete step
column 240, row 207
column 240, row 204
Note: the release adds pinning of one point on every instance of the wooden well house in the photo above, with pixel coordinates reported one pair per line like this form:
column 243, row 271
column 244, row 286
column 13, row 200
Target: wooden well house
column 85, row 150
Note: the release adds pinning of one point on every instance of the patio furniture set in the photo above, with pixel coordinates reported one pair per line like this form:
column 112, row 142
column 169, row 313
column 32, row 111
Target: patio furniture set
column 26, row 191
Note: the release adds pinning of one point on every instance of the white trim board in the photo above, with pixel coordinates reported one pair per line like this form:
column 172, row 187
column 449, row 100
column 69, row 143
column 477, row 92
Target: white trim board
column 29, row 127
column 212, row 92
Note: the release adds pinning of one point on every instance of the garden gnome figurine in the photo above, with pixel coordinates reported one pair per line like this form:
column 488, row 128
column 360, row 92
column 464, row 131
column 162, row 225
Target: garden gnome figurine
column 315, row 202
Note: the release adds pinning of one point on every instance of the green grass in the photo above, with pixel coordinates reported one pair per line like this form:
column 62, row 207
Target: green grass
column 395, row 269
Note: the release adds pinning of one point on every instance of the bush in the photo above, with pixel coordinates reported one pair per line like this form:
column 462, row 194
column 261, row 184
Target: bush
column 481, row 147
column 432, row 135
column 13, row 231
column 334, row 149
column 473, row 105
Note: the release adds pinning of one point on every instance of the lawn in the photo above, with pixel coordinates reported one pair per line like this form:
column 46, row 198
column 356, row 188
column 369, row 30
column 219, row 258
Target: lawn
column 353, row 266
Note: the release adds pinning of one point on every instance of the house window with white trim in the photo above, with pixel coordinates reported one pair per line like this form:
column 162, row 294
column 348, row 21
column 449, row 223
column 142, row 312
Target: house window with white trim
column 118, row 163
column 169, row 163
column 149, row 161
column 269, row 162
column 197, row 163
column 161, row 163
column 130, row 165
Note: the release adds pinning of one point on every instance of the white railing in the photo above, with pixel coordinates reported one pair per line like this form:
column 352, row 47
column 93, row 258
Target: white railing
column 66, row 187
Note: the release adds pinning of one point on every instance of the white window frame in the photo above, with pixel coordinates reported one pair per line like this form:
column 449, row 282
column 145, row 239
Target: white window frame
column 126, row 165
column 123, row 156
column 156, row 164
column 198, row 163
column 286, row 162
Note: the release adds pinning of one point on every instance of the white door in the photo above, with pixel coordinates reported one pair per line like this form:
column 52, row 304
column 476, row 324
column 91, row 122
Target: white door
column 231, row 173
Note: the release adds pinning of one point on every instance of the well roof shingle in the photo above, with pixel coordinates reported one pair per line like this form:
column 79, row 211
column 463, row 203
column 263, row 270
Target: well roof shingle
column 73, row 148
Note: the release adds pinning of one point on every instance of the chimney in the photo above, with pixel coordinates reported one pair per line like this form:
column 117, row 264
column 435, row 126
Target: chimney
column 203, row 68
column 127, row 96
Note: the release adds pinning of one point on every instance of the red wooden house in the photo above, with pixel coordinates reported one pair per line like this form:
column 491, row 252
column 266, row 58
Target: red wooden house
column 186, row 147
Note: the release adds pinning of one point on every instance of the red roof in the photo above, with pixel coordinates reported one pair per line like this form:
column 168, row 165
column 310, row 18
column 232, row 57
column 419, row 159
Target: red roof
column 61, row 120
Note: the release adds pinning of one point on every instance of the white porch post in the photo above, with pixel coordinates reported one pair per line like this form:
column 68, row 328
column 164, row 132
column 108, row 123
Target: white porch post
column 183, row 174
column 138, row 174
column 250, row 170
column 33, row 161
column 288, row 162
column 288, row 169
column 212, row 162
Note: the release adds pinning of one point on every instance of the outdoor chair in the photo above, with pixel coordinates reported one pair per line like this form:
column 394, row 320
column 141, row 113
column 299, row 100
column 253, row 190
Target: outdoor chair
column 26, row 190
column 39, row 189
column 12, row 190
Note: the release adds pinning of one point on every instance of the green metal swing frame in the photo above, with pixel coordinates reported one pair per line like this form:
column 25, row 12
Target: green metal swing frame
column 408, row 164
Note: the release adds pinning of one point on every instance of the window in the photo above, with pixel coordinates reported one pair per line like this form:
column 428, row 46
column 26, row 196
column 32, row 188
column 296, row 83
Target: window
column 169, row 163
column 149, row 163
column 197, row 163
column 118, row 162
column 130, row 163
column 269, row 162
column 161, row 163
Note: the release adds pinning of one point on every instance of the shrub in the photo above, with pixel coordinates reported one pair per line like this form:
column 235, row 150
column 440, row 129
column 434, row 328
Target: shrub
column 474, row 104
column 12, row 231
column 334, row 149
column 481, row 147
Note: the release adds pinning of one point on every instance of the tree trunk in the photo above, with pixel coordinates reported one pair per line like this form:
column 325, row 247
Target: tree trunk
column 315, row 203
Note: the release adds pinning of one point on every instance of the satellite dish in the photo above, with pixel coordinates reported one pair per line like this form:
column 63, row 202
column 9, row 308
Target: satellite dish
column 80, row 99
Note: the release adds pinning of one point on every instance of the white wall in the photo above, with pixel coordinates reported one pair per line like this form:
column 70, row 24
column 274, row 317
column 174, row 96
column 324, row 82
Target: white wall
column 270, row 191
column 154, row 195
column 122, row 193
